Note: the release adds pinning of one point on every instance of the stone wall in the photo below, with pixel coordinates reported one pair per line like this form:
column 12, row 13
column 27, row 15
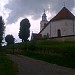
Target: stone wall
column 64, row 38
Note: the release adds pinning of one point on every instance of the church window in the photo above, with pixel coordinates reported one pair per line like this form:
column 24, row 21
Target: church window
column 47, row 35
column 59, row 33
column 44, row 36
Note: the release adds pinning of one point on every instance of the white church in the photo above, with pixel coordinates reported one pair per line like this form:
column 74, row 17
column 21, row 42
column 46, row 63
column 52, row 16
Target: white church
column 63, row 24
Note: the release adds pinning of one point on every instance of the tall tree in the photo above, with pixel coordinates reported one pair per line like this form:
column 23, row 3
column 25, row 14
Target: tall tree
column 9, row 39
column 1, row 30
column 24, row 32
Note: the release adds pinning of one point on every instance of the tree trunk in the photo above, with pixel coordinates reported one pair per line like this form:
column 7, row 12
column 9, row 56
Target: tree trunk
column 22, row 40
column 0, row 46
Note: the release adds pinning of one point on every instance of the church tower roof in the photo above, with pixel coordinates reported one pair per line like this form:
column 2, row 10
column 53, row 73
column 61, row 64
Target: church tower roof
column 44, row 16
column 63, row 14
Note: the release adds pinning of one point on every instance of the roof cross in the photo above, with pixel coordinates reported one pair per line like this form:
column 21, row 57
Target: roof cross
column 64, row 4
column 44, row 10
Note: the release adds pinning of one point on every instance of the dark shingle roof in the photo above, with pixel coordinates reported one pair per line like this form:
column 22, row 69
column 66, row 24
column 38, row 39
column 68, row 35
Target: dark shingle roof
column 36, row 36
column 63, row 14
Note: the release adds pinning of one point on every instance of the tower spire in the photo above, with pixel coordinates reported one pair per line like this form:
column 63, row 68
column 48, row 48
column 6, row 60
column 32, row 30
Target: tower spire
column 44, row 10
column 44, row 21
column 44, row 16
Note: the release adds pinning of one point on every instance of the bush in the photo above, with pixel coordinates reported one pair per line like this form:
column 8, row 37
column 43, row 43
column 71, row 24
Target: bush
column 32, row 45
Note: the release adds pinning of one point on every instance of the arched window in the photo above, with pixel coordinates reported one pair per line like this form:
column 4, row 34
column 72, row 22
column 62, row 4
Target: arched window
column 59, row 33
column 47, row 35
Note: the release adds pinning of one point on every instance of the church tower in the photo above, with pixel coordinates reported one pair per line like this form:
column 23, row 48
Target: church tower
column 44, row 21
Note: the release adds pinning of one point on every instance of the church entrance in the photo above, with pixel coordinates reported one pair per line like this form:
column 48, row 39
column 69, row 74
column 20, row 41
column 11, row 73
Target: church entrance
column 59, row 33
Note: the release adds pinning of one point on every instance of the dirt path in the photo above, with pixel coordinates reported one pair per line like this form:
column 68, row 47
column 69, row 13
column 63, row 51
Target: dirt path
column 29, row 66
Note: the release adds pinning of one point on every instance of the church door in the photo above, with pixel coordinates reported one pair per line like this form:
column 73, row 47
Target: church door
column 59, row 33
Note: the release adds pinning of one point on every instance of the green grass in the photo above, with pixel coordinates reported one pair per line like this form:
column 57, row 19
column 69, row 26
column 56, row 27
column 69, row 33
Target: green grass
column 7, row 67
column 65, row 48
column 55, row 59
column 63, row 51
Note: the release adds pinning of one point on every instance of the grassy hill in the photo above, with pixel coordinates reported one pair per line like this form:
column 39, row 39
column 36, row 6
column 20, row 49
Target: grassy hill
column 57, row 52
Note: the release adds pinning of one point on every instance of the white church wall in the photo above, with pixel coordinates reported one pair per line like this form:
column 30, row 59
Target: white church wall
column 74, row 27
column 65, row 26
column 46, row 31
column 42, row 24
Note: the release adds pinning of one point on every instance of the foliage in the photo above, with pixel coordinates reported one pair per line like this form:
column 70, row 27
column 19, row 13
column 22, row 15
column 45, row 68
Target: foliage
column 62, row 48
column 1, row 29
column 24, row 32
column 9, row 39
column 32, row 45
column 7, row 67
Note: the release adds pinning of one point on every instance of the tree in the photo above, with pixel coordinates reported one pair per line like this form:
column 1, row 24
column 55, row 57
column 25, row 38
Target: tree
column 9, row 39
column 24, row 32
column 1, row 30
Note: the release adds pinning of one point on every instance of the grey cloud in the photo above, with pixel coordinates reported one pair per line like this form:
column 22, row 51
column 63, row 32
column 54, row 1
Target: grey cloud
column 20, row 8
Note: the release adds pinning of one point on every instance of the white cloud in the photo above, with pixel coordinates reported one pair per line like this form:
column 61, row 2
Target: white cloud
column 13, row 29
column 73, row 11
column 3, row 11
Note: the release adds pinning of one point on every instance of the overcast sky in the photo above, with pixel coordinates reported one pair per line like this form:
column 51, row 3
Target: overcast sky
column 13, row 11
